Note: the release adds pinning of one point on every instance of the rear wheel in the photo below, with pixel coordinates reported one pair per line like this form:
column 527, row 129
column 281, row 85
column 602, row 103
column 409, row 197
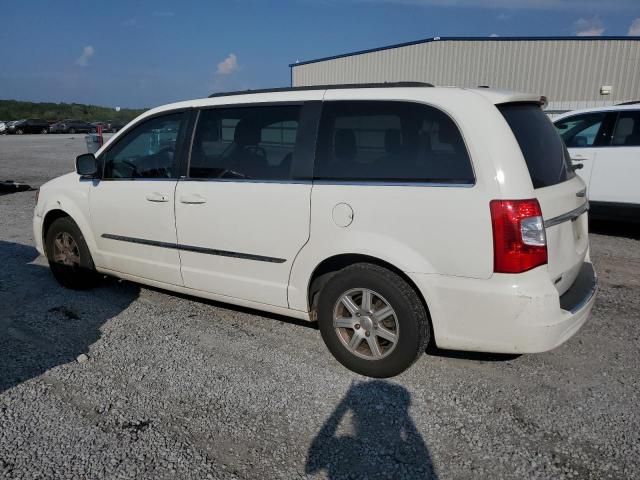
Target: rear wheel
column 72, row 131
column 19, row 131
column 69, row 257
column 372, row 320
column 44, row 130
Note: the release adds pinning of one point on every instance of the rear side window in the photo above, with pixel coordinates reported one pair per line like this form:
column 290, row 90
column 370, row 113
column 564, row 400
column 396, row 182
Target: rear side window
column 627, row 131
column 246, row 143
column 390, row 142
column 544, row 151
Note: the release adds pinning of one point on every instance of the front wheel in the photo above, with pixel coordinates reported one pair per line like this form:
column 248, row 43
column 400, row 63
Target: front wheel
column 19, row 131
column 372, row 320
column 68, row 255
column 44, row 131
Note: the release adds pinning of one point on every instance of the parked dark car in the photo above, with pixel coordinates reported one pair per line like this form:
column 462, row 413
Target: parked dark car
column 115, row 125
column 29, row 125
column 72, row 126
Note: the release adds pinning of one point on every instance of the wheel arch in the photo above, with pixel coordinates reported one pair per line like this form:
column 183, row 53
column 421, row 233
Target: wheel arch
column 331, row 265
column 66, row 208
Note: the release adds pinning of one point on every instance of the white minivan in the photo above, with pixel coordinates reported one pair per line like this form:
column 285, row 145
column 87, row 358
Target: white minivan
column 604, row 144
column 394, row 215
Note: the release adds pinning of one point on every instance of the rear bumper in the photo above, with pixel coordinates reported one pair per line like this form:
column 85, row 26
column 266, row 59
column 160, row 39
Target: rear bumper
column 507, row 313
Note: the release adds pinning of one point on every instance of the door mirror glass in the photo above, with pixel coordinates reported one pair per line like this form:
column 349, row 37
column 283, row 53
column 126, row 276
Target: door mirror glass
column 580, row 141
column 86, row 165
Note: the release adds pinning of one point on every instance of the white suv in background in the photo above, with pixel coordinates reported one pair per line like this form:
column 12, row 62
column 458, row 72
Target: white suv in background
column 604, row 143
column 391, row 214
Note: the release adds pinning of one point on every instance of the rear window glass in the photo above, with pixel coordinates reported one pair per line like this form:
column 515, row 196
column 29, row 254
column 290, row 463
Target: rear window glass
column 544, row 151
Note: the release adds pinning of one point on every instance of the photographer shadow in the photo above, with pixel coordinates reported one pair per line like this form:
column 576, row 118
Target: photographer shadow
column 43, row 325
column 371, row 435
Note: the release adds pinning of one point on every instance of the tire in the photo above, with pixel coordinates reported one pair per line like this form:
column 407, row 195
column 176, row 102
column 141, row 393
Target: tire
column 19, row 131
column 409, row 321
column 72, row 131
column 77, row 275
column 44, row 131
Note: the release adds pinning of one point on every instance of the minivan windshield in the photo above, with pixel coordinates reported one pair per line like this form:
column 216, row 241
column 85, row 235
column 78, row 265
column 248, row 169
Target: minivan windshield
column 544, row 151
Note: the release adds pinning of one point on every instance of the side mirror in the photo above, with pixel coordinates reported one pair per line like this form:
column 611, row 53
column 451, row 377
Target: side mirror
column 580, row 141
column 87, row 165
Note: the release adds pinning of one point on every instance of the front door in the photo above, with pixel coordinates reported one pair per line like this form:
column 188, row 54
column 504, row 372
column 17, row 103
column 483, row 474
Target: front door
column 242, row 212
column 132, row 206
column 583, row 135
column 617, row 168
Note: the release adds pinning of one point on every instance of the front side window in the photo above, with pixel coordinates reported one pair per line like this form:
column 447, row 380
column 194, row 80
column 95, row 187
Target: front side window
column 581, row 130
column 245, row 143
column 148, row 151
column 390, row 142
column 627, row 131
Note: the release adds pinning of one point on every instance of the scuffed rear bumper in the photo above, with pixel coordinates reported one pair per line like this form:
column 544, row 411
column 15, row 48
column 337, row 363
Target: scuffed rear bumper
column 507, row 313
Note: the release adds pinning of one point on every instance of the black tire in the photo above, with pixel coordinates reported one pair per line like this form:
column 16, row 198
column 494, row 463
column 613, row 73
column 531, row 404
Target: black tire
column 77, row 277
column 19, row 131
column 44, row 131
column 72, row 131
column 411, row 316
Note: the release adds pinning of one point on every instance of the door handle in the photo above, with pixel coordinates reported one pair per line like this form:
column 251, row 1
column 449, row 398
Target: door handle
column 579, row 158
column 157, row 197
column 192, row 199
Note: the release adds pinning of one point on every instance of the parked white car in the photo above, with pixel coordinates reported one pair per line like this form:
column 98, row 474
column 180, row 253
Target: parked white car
column 391, row 214
column 604, row 143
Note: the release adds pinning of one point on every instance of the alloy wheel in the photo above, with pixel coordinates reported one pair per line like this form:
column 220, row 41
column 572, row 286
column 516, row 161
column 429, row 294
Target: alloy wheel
column 366, row 324
column 65, row 250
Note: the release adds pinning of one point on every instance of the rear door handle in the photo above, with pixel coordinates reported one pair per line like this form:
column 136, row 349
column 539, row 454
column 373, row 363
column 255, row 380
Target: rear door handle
column 579, row 158
column 192, row 199
column 157, row 197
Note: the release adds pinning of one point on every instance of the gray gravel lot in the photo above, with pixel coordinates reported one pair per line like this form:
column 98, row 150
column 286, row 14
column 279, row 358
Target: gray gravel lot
column 176, row 387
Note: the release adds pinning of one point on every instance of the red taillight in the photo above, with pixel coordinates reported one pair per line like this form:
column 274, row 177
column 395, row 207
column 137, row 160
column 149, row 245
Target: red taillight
column 519, row 240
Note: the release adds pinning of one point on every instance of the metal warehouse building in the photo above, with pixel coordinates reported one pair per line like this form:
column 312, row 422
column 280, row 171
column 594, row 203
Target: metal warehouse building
column 573, row 72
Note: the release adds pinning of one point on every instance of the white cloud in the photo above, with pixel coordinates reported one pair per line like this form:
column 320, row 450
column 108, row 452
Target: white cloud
column 228, row 66
column 494, row 35
column 588, row 27
column 163, row 14
column 634, row 28
column 87, row 53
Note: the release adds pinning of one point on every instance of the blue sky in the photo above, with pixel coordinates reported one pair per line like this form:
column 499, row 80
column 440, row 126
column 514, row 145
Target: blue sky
column 146, row 53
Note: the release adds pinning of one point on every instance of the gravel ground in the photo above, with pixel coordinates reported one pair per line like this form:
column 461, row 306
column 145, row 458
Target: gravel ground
column 176, row 387
column 35, row 159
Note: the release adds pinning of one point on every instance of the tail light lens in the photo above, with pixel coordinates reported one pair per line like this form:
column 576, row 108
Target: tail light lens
column 519, row 239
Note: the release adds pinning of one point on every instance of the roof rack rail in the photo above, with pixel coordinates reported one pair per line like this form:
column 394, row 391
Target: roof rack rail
column 324, row 87
column 632, row 102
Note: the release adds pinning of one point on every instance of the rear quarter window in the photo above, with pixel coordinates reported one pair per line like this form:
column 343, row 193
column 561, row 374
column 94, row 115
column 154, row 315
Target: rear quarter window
column 544, row 151
column 387, row 141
